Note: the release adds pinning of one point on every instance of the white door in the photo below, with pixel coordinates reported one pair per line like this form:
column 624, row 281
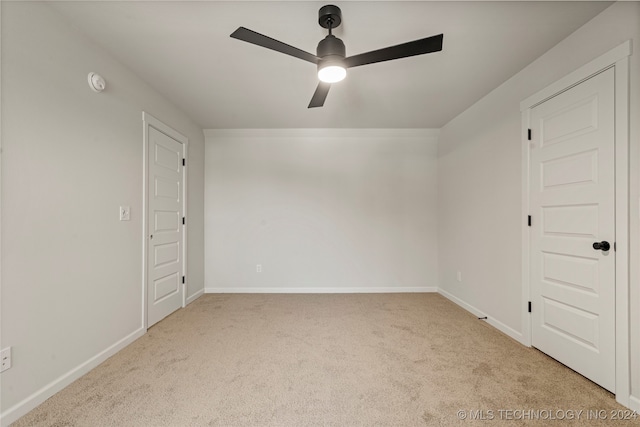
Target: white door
column 573, row 206
column 164, row 283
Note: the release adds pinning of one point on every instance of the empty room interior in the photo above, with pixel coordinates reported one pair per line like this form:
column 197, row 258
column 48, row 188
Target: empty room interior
column 319, row 213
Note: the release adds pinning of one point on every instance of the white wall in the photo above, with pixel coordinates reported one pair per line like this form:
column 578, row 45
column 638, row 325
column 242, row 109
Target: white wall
column 71, row 271
column 320, row 210
column 479, row 180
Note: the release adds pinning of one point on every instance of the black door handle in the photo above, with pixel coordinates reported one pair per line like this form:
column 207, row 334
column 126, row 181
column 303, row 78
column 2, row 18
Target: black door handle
column 603, row 246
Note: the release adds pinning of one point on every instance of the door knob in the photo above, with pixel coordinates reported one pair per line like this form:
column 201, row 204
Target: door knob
column 603, row 246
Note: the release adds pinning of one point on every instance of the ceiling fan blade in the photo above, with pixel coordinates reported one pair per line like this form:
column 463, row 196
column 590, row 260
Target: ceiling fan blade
column 404, row 50
column 317, row 100
column 250, row 36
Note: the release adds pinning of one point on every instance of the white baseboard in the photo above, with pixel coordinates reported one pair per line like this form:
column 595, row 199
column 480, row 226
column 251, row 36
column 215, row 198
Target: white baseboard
column 518, row 336
column 22, row 408
column 323, row 290
column 634, row 403
column 195, row 296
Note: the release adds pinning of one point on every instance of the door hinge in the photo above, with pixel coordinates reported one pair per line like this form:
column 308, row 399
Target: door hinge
column 182, row 279
column 529, row 307
column 529, row 134
column 184, row 162
column 529, row 221
column 182, row 220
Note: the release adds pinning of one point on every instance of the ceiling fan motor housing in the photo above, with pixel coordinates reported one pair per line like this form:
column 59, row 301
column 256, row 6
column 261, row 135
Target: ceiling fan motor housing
column 331, row 50
column 330, row 46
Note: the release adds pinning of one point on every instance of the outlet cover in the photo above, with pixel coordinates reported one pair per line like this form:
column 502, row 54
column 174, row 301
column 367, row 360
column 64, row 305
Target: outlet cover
column 125, row 213
column 5, row 359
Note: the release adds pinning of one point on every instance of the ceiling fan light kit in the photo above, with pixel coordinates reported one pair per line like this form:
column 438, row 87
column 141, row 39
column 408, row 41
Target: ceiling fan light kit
column 331, row 73
column 330, row 55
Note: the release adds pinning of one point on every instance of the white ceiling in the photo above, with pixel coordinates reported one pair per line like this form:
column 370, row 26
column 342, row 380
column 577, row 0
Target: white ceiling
column 183, row 50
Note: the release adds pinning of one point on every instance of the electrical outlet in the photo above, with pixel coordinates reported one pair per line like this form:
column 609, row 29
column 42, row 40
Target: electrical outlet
column 125, row 213
column 5, row 359
column 258, row 268
column 459, row 276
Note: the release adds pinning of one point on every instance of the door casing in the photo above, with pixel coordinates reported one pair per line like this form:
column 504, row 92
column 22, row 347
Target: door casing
column 149, row 121
column 617, row 58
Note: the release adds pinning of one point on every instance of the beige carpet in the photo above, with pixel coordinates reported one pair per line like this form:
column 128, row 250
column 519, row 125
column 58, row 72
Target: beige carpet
column 330, row 360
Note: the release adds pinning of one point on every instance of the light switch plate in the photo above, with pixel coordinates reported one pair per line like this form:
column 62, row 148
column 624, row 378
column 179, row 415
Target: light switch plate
column 125, row 213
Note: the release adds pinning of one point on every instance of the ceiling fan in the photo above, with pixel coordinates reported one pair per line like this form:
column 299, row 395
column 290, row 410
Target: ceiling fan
column 330, row 54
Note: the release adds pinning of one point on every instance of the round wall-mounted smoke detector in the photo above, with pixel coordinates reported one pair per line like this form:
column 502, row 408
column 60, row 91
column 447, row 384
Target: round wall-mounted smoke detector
column 96, row 82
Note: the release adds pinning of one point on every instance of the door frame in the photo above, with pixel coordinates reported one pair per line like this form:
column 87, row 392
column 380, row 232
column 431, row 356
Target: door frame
column 149, row 121
column 617, row 58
